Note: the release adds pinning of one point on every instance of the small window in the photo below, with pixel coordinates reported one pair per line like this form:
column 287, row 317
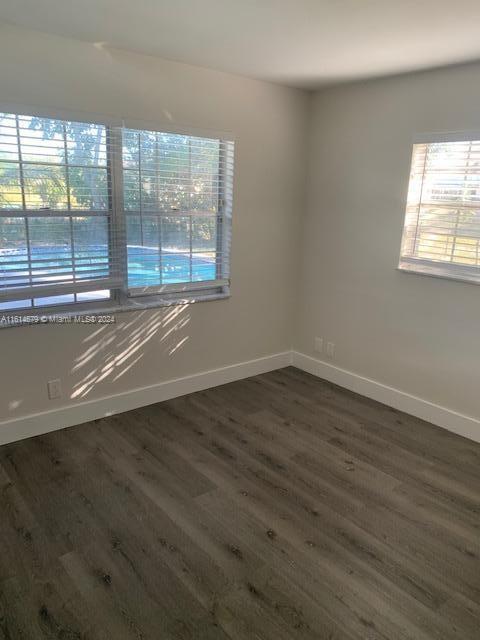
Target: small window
column 441, row 236
column 97, row 214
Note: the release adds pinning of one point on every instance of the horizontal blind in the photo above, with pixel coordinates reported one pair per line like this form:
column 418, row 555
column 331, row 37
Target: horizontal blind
column 177, row 198
column 87, row 210
column 442, row 223
column 55, row 208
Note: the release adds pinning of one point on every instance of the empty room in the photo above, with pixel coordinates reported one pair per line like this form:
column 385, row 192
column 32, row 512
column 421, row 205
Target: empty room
column 239, row 308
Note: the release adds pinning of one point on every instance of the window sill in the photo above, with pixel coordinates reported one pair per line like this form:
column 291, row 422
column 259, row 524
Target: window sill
column 98, row 314
column 456, row 273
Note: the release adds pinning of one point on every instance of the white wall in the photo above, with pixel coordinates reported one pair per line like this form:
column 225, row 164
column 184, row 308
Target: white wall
column 269, row 124
column 415, row 333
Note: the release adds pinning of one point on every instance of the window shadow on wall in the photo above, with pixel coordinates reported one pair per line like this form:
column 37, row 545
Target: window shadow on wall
column 113, row 351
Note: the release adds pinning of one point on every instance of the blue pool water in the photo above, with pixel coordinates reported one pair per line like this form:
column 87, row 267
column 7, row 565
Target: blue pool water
column 146, row 266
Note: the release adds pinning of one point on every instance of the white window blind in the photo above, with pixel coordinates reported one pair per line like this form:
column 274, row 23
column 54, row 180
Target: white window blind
column 442, row 223
column 175, row 191
column 90, row 212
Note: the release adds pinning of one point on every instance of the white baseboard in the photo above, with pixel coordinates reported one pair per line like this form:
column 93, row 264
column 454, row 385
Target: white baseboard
column 436, row 414
column 39, row 423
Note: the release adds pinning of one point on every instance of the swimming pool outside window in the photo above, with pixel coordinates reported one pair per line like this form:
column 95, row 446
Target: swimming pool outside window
column 91, row 213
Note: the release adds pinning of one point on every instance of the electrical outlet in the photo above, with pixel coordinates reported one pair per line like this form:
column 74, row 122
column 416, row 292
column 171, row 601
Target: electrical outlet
column 331, row 350
column 318, row 345
column 54, row 389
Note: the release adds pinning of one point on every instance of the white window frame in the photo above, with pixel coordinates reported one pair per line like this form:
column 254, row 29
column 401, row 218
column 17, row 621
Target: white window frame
column 436, row 268
column 121, row 298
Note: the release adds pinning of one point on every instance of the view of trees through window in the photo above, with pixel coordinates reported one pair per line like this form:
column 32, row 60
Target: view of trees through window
column 59, row 203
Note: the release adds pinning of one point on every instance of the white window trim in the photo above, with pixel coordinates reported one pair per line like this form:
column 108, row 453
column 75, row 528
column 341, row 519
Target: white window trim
column 419, row 267
column 432, row 268
column 88, row 310
column 132, row 300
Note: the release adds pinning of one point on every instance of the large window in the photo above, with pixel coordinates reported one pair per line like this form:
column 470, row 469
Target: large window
column 97, row 215
column 442, row 225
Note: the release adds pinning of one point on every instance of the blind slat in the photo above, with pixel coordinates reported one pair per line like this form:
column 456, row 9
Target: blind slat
column 47, row 289
column 179, row 287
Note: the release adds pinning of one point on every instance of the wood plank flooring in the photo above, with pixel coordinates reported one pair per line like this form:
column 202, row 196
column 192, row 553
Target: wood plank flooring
column 273, row 508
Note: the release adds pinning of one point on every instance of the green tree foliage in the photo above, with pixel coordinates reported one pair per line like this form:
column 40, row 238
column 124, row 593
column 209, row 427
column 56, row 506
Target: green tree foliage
column 65, row 166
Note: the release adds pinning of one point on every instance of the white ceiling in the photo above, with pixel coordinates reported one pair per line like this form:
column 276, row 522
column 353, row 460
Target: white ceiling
column 306, row 43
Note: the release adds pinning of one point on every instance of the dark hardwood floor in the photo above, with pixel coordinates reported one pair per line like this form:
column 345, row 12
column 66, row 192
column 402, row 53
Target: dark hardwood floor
column 277, row 507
